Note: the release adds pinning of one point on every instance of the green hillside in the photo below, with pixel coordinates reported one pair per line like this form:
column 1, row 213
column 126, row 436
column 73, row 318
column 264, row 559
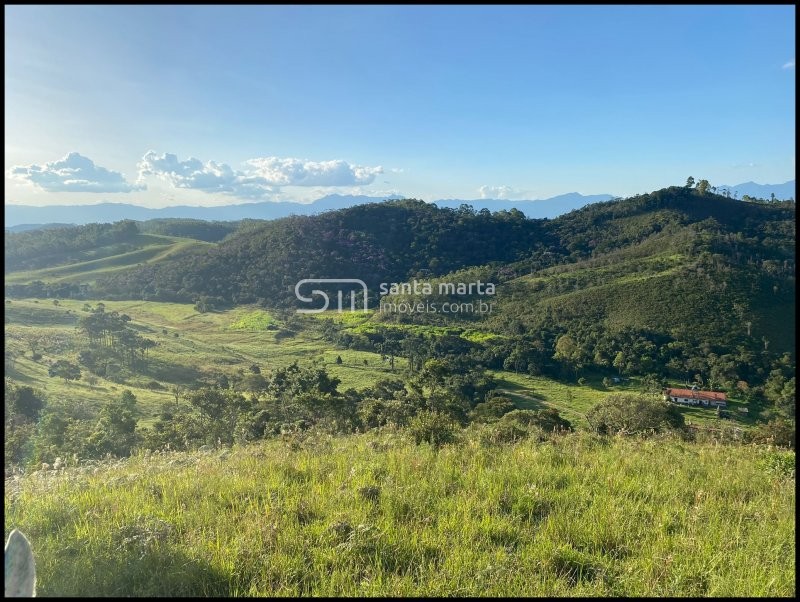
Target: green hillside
column 377, row 515
column 147, row 248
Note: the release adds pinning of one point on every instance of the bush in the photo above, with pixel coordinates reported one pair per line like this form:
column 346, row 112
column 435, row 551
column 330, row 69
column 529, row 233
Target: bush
column 433, row 427
column 547, row 419
column 492, row 410
column 508, row 431
column 781, row 464
column 634, row 414
column 374, row 413
column 778, row 431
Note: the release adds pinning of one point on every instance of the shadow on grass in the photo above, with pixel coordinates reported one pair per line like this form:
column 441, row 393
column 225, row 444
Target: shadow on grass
column 525, row 400
column 13, row 373
column 171, row 373
column 163, row 571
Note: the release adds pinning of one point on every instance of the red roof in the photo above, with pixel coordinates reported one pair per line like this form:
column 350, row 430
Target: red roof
column 694, row 394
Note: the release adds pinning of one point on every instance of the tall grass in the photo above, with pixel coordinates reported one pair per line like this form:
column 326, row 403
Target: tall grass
column 375, row 514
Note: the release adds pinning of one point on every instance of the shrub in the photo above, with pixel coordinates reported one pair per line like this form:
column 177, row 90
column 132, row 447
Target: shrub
column 547, row 419
column 374, row 413
column 284, row 333
column 507, row 431
column 781, row 464
column 778, row 431
column 435, row 428
column 492, row 410
column 634, row 414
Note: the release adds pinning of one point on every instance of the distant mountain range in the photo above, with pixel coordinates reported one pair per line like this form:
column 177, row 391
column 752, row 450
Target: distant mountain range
column 25, row 217
column 762, row 191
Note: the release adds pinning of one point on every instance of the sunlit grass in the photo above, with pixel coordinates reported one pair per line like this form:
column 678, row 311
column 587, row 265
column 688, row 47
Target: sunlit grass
column 376, row 515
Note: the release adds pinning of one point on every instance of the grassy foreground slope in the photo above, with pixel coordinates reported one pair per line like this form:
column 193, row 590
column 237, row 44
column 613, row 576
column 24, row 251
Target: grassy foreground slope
column 375, row 514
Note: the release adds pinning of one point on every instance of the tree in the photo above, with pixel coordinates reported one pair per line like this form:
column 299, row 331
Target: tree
column 568, row 351
column 690, row 182
column 65, row 369
column 22, row 401
column 338, row 359
column 493, row 409
column 619, row 362
column 547, row 419
column 116, row 428
column 781, row 391
column 703, row 186
column 633, row 414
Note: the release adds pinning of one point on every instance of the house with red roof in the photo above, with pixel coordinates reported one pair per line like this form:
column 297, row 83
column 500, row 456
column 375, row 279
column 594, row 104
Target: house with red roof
column 695, row 397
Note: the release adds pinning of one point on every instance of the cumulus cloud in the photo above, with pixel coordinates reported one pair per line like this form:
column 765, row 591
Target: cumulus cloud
column 298, row 172
column 502, row 192
column 207, row 177
column 73, row 173
column 789, row 65
column 263, row 177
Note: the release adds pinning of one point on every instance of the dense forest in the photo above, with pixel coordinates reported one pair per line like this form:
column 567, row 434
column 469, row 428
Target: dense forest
column 37, row 248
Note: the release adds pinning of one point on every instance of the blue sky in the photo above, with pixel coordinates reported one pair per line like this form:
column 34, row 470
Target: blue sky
column 210, row 105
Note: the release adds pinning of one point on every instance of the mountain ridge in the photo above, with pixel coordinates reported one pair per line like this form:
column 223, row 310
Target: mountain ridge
column 18, row 215
column 25, row 217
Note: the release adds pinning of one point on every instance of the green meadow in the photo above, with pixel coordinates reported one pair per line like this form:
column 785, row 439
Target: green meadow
column 377, row 515
column 191, row 346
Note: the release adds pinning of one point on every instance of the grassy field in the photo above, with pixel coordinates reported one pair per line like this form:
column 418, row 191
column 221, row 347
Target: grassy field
column 374, row 514
column 150, row 248
column 573, row 400
column 226, row 341
column 206, row 344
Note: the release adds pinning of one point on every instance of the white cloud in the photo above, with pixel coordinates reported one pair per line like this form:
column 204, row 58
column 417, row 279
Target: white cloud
column 789, row 65
column 502, row 192
column 279, row 171
column 73, row 173
column 208, row 177
column 262, row 178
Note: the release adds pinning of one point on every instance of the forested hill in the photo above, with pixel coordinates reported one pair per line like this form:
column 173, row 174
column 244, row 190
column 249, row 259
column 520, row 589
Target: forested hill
column 398, row 240
column 379, row 242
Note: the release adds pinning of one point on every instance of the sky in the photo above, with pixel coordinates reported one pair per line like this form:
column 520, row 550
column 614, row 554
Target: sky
column 213, row 105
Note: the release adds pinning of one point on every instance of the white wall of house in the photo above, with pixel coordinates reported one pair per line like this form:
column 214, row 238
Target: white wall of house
column 694, row 402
